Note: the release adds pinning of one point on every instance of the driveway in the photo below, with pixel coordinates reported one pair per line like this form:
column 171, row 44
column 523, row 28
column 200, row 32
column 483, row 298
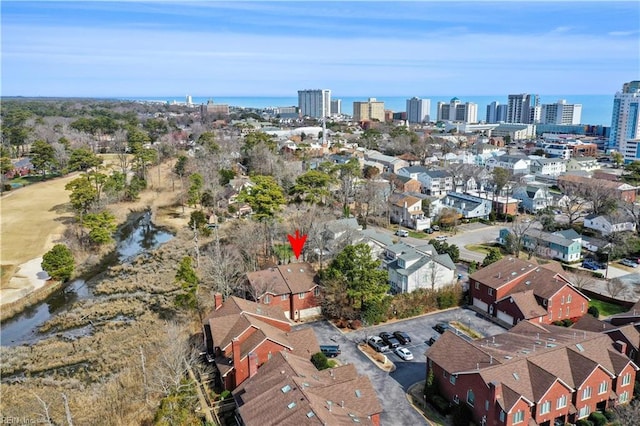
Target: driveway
column 476, row 234
column 392, row 387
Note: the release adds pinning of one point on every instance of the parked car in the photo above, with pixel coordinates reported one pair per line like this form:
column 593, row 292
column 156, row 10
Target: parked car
column 402, row 337
column 433, row 339
column 402, row 233
column 441, row 327
column 435, row 228
column 429, row 231
column 389, row 339
column 331, row 351
column 376, row 343
column 441, row 238
column 630, row 263
column 404, row 353
column 591, row 264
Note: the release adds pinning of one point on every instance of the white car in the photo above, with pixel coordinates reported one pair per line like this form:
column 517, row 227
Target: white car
column 441, row 238
column 404, row 353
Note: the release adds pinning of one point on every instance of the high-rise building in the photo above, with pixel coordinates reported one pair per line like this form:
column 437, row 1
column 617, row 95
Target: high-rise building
column 418, row 110
column 336, row 106
column 561, row 113
column 457, row 111
column 189, row 100
column 315, row 103
column 625, row 122
column 496, row 112
column 369, row 110
column 523, row 108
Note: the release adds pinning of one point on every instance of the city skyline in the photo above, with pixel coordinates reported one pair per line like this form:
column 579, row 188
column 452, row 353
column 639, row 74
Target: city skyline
column 353, row 48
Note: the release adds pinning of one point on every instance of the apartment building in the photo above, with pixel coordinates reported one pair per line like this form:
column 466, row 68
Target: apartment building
column 369, row 110
column 455, row 110
column 418, row 110
column 314, row 103
column 625, row 122
column 561, row 113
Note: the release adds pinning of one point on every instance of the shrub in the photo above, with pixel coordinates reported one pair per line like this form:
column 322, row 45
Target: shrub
column 355, row 324
column 567, row 322
column 320, row 361
column 59, row 262
column 598, row 419
column 593, row 311
column 439, row 403
column 584, row 422
column 6, row 187
column 225, row 394
column 610, row 415
column 462, row 414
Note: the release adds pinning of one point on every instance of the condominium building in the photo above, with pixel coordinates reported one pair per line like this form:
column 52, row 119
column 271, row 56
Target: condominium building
column 523, row 108
column 368, row 110
column 561, row 113
column 418, row 110
column 336, row 106
column 625, row 122
column 457, row 111
column 315, row 103
column 496, row 112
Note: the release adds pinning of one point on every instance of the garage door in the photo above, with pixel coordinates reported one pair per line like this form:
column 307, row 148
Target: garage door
column 310, row 312
column 480, row 304
column 505, row 317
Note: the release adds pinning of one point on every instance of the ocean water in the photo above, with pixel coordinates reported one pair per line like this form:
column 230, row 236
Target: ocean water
column 596, row 109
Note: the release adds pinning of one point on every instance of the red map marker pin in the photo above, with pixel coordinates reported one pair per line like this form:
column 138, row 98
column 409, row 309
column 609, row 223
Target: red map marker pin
column 297, row 243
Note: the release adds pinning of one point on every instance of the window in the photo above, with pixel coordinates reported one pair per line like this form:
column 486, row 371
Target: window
column 562, row 300
column 452, row 379
column 456, row 399
column 266, row 299
column 569, row 299
column 284, row 297
column 502, row 415
column 486, row 405
column 584, row 412
column 562, row 402
column 300, row 295
column 518, row 417
column 586, row 393
column 626, row 379
column 444, row 374
column 477, row 286
column 471, row 398
column 545, row 407
column 624, row 396
column 603, row 387
column 582, row 309
column 567, row 311
column 490, row 291
column 316, row 291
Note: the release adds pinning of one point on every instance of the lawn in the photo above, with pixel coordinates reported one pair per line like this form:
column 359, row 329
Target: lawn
column 607, row 309
column 479, row 248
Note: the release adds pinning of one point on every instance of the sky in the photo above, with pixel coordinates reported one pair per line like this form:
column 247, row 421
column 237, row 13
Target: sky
column 275, row 48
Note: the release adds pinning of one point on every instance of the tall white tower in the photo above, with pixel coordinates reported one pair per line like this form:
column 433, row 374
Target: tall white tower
column 625, row 122
column 315, row 103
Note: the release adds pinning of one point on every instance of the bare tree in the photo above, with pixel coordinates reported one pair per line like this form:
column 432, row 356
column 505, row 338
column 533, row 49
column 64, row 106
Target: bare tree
column 174, row 357
column 615, row 286
column 628, row 414
column 224, row 269
column 515, row 239
column 581, row 279
column 600, row 196
column 46, row 416
column 573, row 203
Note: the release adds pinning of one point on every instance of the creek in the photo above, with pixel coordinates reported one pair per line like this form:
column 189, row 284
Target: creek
column 136, row 237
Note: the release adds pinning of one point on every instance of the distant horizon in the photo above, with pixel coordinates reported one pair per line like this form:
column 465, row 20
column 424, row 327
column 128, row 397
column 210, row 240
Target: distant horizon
column 96, row 49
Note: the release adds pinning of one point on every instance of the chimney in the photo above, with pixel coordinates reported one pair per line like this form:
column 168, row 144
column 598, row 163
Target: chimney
column 253, row 363
column 620, row 346
column 495, row 391
column 217, row 298
column 241, row 370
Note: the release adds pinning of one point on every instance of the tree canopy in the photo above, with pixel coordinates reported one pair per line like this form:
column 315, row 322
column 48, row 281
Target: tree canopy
column 59, row 262
column 356, row 267
column 312, row 186
column 265, row 197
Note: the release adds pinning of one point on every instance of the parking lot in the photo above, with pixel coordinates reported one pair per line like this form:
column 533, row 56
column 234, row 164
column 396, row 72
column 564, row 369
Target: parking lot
column 392, row 387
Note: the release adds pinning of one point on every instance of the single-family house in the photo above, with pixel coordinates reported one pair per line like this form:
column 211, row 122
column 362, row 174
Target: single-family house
column 240, row 336
column 548, row 166
column 289, row 390
column 411, row 268
column 558, row 245
column 533, row 197
column 593, row 244
column 533, row 374
column 468, row 206
column 406, row 210
column 502, row 204
column 585, row 164
column 402, row 183
column 391, row 164
column 516, row 164
column 291, row 287
column 616, row 221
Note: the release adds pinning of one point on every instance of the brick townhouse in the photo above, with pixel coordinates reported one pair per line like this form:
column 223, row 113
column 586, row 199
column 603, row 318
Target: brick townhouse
column 291, row 288
column 513, row 290
column 534, row 374
column 240, row 336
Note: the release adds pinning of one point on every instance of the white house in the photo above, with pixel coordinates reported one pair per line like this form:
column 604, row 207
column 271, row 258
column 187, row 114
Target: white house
column 514, row 163
column 533, row 197
column 407, row 211
column 468, row 206
column 548, row 166
column 434, row 182
column 615, row 222
column 411, row 268
column 585, row 164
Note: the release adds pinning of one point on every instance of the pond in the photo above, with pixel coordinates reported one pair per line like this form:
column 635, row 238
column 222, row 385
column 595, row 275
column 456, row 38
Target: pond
column 138, row 236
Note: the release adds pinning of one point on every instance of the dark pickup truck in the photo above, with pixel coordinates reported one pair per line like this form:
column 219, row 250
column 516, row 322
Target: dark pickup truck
column 330, row 351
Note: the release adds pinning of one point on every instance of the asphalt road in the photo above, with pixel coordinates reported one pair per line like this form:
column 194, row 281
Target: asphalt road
column 392, row 387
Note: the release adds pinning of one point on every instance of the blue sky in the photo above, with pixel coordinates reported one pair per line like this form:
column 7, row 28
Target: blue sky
column 269, row 48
